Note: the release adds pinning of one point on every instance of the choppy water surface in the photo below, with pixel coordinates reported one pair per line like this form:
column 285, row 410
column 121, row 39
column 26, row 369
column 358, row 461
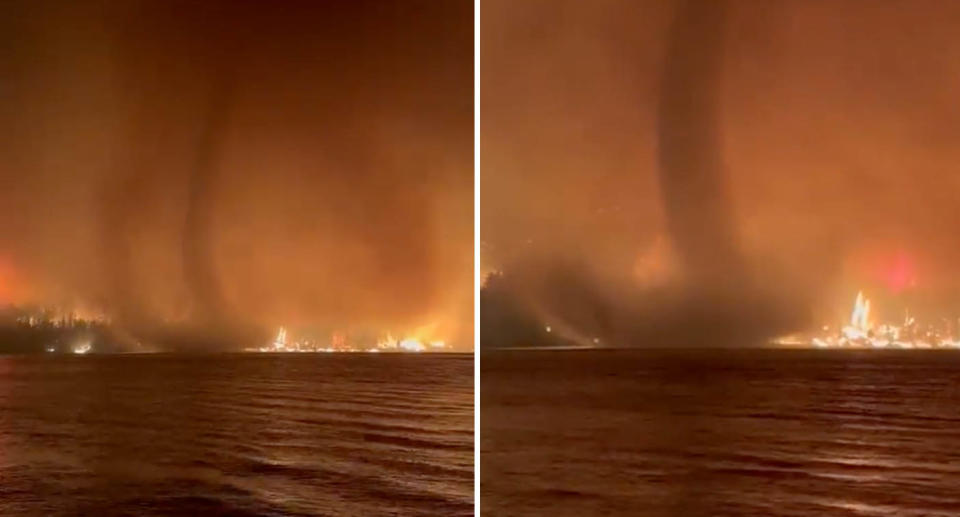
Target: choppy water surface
column 749, row 432
column 238, row 435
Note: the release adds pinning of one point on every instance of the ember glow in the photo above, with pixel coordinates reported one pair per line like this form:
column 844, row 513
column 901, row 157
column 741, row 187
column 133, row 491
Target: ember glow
column 862, row 331
column 341, row 342
column 82, row 347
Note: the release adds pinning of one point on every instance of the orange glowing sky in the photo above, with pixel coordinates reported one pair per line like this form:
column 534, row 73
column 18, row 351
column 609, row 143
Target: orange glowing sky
column 838, row 124
column 338, row 136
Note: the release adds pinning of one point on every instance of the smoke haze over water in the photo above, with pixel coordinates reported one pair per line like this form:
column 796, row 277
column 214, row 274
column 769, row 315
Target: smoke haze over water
column 818, row 134
column 235, row 164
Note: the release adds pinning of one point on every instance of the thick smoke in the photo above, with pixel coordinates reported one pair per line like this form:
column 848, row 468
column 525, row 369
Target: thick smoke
column 821, row 139
column 710, row 299
column 228, row 167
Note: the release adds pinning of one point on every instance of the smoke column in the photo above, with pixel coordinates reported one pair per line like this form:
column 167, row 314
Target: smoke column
column 722, row 300
column 694, row 199
column 718, row 297
column 198, row 264
column 210, row 322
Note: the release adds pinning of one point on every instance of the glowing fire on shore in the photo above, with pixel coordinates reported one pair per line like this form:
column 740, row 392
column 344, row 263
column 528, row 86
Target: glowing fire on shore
column 339, row 342
column 862, row 332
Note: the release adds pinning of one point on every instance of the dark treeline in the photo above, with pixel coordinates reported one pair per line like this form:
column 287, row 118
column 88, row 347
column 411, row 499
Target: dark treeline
column 30, row 330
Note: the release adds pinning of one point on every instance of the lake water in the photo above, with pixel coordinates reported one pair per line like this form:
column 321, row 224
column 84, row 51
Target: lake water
column 720, row 432
column 237, row 435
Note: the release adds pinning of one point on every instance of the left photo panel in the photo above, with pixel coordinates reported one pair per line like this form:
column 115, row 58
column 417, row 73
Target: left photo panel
column 237, row 258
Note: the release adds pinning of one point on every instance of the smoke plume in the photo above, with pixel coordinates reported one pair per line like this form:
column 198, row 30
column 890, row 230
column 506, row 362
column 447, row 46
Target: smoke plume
column 705, row 293
column 225, row 168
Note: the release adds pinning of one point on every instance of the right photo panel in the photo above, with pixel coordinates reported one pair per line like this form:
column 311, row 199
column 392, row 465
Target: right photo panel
column 719, row 258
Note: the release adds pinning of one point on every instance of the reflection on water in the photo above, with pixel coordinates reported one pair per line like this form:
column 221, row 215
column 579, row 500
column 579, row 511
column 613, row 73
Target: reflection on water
column 749, row 432
column 236, row 435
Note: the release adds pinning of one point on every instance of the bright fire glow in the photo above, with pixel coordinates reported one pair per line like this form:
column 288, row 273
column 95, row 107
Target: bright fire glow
column 861, row 332
column 860, row 319
column 412, row 345
column 341, row 341
column 82, row 347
